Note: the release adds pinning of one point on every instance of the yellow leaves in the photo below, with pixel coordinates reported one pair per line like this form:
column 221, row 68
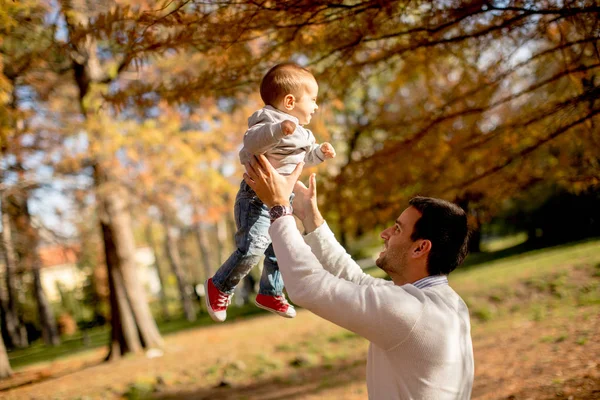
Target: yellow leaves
column 11, row 13
column 5, row 85
column 94, row 102
column 149, row 124
column 70, row 164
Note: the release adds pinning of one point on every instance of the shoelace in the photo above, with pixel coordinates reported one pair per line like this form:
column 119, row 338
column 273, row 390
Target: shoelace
column 224, row 300
column 283, row 300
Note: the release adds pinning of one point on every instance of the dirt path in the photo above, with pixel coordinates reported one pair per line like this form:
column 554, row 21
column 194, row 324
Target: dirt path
column 273, row 358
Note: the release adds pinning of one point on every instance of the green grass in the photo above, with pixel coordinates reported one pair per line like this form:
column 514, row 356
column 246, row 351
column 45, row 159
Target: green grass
column 530, row 265
column 39, row 352
column 507, row 242
column 535, row 285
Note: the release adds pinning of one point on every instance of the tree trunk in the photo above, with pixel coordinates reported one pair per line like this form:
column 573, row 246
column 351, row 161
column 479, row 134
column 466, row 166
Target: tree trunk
column 164, row 304
column 125, row 337
column 469, row 203
column 204, row 246
column 15, row 330
column 27, row 247
column 133, row 326
column 175, row 261
column 475, row 240
column 5, row 370
column 50, row 333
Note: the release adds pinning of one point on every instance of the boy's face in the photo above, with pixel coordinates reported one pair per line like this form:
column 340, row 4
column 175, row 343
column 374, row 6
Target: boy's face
column 305, row 106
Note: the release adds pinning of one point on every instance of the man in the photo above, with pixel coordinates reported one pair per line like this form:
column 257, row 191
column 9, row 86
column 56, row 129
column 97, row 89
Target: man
column 419, row 327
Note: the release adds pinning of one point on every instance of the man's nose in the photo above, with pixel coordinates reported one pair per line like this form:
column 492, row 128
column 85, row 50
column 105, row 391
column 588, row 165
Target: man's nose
column 384, row 234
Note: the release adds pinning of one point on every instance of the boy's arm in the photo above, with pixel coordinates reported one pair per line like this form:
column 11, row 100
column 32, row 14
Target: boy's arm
column 261, row 137
column 317, row 153
column 314, row 155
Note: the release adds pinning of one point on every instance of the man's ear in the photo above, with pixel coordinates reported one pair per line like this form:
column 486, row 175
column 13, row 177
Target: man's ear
column 289, row 101
column 423, row 248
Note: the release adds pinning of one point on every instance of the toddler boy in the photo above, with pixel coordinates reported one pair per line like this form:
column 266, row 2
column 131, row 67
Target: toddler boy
column 289, row 92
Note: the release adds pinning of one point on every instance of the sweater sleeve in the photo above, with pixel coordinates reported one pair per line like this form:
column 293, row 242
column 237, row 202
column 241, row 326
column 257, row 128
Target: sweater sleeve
column 383, row 314
column 334, row 258
column 314, row 154
column 261, row 137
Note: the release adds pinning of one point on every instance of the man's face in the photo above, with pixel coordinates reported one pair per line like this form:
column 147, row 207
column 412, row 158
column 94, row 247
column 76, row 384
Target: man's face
column 397, row 243
column 306, row 105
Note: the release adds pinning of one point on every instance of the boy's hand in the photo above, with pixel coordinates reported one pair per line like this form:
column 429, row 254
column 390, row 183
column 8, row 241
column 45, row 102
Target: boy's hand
column 288, row 127
column 328, row 150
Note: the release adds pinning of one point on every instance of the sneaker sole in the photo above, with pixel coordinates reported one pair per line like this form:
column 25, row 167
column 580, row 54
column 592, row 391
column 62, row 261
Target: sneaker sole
column 281, row 314
column 212, row 314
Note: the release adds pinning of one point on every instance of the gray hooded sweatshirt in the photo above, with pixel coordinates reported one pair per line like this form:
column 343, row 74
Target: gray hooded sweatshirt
column 264, row 136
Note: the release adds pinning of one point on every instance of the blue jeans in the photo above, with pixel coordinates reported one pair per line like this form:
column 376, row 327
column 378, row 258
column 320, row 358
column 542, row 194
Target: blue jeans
column 252, row 240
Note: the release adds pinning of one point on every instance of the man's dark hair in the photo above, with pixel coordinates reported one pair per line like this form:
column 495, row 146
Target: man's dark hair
column 444, row 224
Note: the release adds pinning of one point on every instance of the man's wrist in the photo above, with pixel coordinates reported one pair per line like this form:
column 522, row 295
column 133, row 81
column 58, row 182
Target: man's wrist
column 312, row 221
column 280, row 210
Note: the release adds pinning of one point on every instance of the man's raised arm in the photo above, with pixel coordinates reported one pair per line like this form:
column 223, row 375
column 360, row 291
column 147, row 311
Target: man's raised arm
column 330, row 253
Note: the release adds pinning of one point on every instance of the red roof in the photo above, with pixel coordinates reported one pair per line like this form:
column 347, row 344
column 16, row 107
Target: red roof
column 57, row 255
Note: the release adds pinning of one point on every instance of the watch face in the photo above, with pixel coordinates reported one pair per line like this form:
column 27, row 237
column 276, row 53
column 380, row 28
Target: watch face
column 279, row 211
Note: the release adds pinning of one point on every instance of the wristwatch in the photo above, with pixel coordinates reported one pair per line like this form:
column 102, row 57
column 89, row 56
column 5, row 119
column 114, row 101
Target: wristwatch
column 279, row 211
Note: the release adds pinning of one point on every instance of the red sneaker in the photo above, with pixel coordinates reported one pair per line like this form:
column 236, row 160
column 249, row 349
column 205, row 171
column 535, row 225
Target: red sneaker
column 276, row 304
column 216, row 301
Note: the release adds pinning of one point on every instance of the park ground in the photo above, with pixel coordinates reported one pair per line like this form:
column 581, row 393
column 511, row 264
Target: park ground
column 535, row 328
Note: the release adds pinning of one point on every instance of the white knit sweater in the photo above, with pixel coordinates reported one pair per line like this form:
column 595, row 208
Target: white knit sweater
column 420, row 338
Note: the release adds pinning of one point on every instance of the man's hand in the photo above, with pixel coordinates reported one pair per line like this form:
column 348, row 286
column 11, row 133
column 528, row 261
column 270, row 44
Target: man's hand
column 288, row 127
column 305, row 204
column 328, row 150
column 270, row 186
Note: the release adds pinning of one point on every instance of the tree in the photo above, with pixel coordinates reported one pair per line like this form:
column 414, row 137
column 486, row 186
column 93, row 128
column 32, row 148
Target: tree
column 11, row 323
column 482, row 96
column 5, row 370
column 172, row 251
column 94, row 74
column 90, row 259
column 28, row 240
column 164, row 303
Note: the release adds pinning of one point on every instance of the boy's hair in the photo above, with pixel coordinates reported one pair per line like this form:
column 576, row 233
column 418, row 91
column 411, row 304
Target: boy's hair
column 445, row 225
column 282, row 79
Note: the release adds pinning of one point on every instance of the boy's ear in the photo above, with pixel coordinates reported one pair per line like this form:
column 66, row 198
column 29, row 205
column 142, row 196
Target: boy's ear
column 289, row 101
